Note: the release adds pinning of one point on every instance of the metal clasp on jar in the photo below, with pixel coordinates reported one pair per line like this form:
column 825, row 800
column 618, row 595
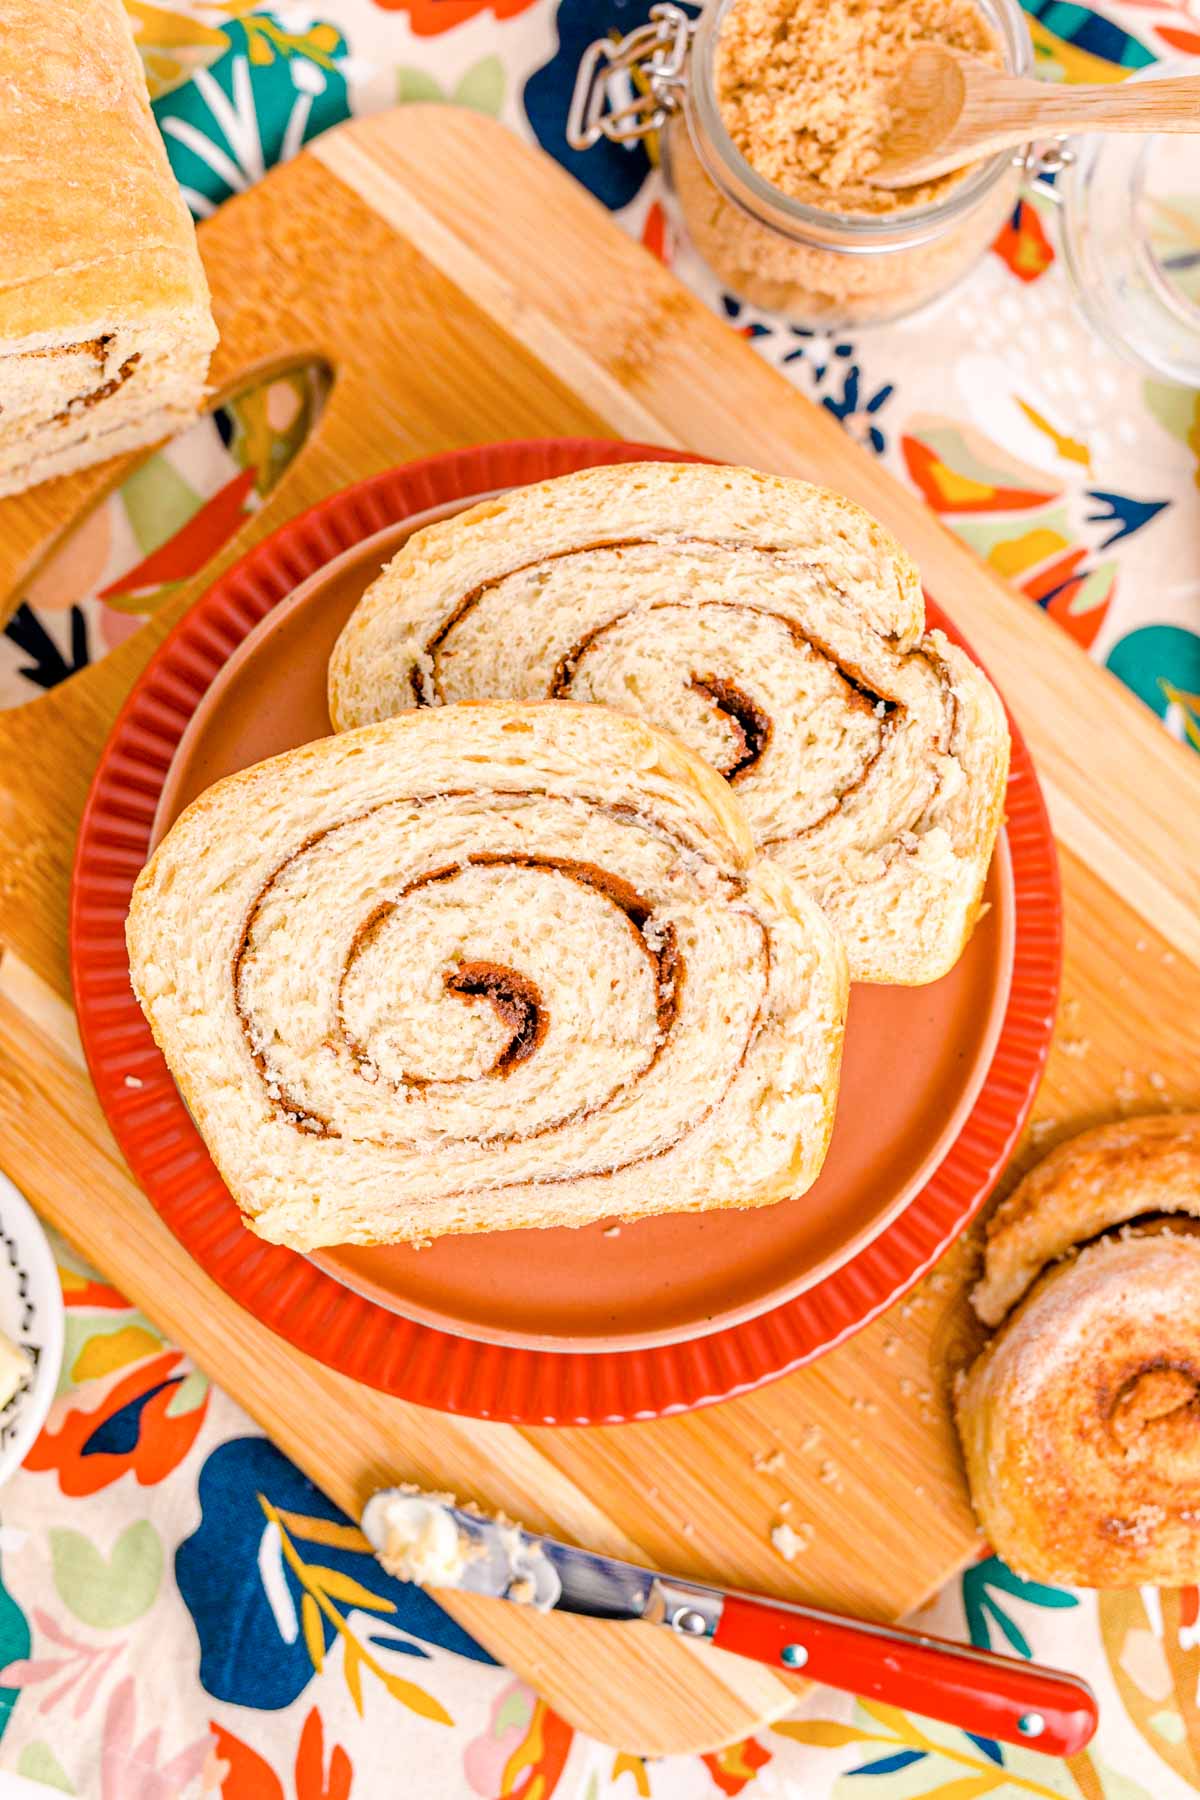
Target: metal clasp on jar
column 655, row 57
column 1039, row 163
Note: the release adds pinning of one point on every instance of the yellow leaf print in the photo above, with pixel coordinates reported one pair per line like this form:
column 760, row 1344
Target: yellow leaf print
column 827, row 1733
column 344, row 1588
column 113, row 1350
column 320, row 1584
column 625, row 1764
column 323, row 1531
column 314, row 1637
column 159, row 28
column 895, row 1721
column 416, row 1699
column 352, row 1669
column 1157, row 1680
column 1068, row 447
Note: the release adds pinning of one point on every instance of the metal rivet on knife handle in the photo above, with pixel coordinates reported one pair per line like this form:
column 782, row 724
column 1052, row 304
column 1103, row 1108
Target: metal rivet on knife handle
column 794, row 1656
column 1031, row 1724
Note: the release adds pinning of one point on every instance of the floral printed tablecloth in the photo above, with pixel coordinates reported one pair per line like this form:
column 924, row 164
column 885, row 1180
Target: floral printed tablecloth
column 181, row 1613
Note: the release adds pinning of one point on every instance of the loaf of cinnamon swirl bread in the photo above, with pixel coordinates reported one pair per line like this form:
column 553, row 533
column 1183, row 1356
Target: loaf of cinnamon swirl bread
column 105, row 323
column 484, row 967
column 775, row 627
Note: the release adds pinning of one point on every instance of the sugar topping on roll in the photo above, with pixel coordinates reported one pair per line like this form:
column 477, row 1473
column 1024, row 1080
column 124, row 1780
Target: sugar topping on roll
column 1080, row 1420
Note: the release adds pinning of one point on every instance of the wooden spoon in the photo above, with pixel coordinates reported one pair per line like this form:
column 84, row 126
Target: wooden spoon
column 950, row 109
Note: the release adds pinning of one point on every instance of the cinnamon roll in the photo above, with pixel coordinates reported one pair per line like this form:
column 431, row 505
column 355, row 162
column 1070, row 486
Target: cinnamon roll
column 1080, row 1421
column 1129, row 1169
column 776, row 628
column 487, row 967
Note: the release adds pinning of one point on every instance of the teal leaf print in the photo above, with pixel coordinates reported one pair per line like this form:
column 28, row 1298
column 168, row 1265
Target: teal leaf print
column 1161, row 663
column 108, row 1592
column 14, row 1647
column 983, row 1609
column 254, row 107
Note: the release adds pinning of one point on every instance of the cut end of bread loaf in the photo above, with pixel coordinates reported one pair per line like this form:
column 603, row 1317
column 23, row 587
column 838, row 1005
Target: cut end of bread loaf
column 486, row 968
column 106, row 326
column 775, row 627
column 66, row 407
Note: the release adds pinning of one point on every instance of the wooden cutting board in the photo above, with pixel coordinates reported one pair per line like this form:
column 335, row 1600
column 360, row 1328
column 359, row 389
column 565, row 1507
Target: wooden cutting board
column 463, row 289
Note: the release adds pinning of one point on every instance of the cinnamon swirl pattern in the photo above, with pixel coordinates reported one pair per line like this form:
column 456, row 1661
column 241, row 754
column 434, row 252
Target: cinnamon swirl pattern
column 487, row 967
column 1080, row 1422
column 774, row 627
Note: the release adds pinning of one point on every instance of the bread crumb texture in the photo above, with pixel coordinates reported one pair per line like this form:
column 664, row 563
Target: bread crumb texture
column 804, row 88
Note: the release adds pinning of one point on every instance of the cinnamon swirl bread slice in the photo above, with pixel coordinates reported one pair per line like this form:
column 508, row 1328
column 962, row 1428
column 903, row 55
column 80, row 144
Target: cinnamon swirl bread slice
column 775, row 627
column 485, row 967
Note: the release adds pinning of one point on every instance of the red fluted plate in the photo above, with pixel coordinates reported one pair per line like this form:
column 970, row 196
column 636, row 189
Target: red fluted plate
column 698, row 1358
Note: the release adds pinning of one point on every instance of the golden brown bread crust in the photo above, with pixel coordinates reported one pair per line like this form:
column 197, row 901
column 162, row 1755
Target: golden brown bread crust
column 1099, row 1179
column 118, row 243
column 1080, row 1421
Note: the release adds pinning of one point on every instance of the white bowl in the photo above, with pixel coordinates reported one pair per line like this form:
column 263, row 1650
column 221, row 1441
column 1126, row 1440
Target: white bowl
column 31, row 1314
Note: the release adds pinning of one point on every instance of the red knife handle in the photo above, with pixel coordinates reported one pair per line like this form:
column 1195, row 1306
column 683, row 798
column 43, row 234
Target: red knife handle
column 993, row 1696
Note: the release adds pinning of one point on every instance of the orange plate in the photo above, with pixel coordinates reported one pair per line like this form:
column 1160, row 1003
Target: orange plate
column 556, row 1326
column 915, row 1061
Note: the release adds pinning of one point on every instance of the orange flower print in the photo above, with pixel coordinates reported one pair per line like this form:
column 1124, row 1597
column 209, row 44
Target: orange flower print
column 245, row 1775
column 429, row 18
column 523, row 1751
column 1023, row 244
column 138, row 1424
column 735, row 1767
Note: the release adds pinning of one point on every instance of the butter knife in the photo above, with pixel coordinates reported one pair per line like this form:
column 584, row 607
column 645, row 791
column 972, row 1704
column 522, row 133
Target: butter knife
column 426, row 1538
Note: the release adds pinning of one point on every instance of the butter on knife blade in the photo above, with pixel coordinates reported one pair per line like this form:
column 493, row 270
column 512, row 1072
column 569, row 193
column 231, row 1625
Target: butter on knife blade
column 427, row 1539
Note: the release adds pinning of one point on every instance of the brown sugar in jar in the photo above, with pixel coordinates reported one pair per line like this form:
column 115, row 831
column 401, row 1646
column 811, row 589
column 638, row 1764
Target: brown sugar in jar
column 784, row 112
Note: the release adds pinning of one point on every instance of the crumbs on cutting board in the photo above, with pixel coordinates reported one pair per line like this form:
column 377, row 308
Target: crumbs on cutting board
column 790, row 1540
column 767, row 1462
column 1128, row 1091
column 611, row 1231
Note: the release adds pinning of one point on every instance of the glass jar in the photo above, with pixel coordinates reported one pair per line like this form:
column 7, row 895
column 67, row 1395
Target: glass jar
column 1129, row 217
column 810, row 266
